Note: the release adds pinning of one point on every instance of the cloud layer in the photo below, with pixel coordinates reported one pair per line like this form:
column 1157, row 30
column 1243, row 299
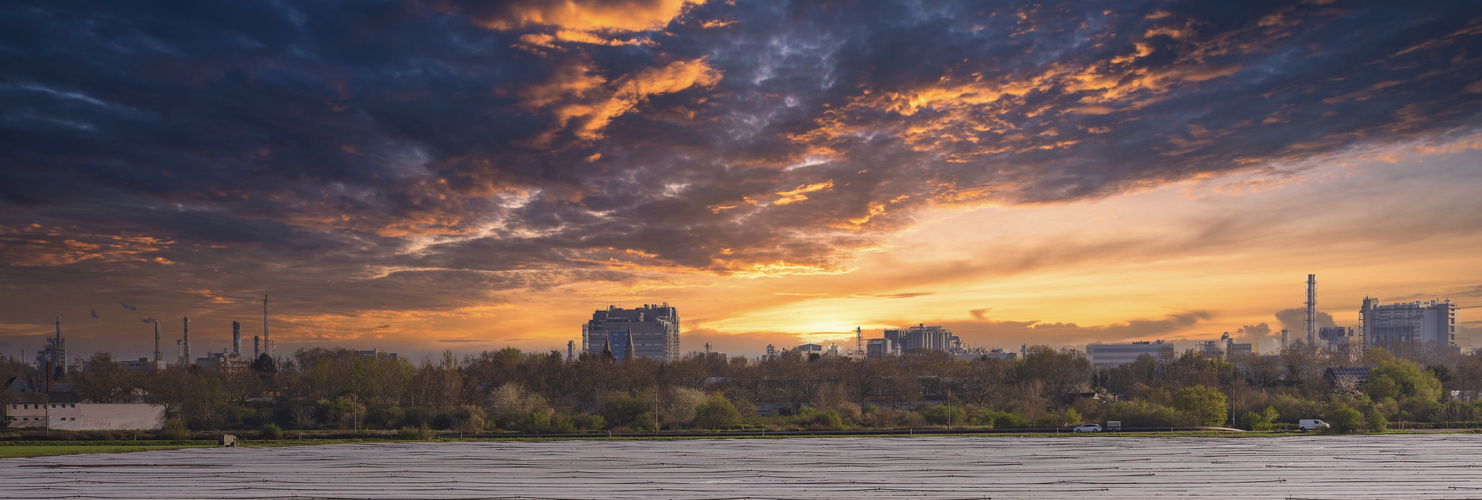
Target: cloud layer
column 434, row 155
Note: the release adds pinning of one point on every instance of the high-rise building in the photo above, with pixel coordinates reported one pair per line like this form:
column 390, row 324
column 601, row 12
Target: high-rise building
column 1409, row 323
column 652, row 331
column 922, row 337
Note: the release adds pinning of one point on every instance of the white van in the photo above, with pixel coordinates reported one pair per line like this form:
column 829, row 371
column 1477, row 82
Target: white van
column 1308, row 424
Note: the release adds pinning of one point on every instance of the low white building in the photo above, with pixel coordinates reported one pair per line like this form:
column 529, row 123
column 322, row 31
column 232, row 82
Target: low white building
column 29, row 408
column 35, row 410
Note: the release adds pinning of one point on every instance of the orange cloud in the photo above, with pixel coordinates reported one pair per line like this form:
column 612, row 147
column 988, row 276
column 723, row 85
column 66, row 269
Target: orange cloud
column 801, row 193
column 587, row 15
column 586, row 102
column 38, row 246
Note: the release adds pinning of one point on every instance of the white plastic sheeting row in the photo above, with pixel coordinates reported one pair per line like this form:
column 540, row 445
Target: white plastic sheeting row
column 1386, row 466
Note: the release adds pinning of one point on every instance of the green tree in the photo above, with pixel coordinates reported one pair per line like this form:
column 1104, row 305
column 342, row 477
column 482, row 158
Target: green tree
column 717, row 412
column 1204, row 405
column 1344, row 420
column 1375, row 421
column 1402, row 379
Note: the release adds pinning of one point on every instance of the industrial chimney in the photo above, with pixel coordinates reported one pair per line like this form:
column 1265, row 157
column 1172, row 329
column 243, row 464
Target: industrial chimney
column 61, row 347
column 157, row 359
column 185, row 358
column 267, row 341
column 256, row 346
column 1311, row 322
column 236, row 339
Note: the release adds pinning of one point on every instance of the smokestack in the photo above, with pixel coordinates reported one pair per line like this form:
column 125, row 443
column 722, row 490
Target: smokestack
column 185, row 358
column 570, row 350
column 256, row 346
column 1311, row 324
column 236, row 339
column 48, row 375
column 267, row 341
column 156, row 341
column 61, row 351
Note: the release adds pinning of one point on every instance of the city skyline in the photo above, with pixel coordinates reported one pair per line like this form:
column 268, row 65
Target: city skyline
column 423, row 176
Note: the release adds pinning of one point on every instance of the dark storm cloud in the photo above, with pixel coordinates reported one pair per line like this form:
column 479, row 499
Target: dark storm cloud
column 377, row 154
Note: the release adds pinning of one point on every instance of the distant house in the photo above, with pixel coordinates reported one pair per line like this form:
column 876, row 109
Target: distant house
column 1346, row 377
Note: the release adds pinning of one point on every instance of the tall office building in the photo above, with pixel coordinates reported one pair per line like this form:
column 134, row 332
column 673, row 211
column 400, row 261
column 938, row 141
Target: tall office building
column 1409, row 323
column 652, row 331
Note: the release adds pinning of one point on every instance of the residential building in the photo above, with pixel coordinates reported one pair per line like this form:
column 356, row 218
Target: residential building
column 651, row 331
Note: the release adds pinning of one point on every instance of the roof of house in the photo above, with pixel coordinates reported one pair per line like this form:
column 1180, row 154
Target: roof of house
column 46, row 397
column 1359, row 374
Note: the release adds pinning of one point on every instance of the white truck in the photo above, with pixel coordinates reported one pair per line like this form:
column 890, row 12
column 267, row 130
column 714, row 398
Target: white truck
column 1308, row 424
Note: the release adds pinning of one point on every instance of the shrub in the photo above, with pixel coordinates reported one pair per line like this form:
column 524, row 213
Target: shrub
column 717, row 412
column 828, row 420
column 422, row 433
column 587, row 421
column 1009, row 420
column 1253, row 421
column 1344, row 420
column 942, row 415
column 1204, row 405
column 683, row 404
column 175, row 429
column 563, row 424
column 539, row 421
column 272, row 431
column 1375, row 422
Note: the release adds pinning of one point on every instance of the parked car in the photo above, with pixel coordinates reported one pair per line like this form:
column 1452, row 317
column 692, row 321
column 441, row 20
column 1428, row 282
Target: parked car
column 1308, row 424
column 1087, row 428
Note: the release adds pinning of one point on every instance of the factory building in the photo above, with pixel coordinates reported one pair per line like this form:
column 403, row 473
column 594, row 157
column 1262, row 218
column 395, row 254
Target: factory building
column 1122, row 354
column 922, row 337
column 651, row 331
column 54, row 355
column 1409, row 324
column 879, row 348
column 1338, row 338
column 1225, row 346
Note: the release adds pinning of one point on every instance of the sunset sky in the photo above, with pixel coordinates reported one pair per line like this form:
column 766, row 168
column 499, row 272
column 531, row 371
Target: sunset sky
column 420, row 176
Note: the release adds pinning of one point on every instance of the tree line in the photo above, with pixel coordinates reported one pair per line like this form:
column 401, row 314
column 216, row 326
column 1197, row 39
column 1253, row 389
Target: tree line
column 543, row 392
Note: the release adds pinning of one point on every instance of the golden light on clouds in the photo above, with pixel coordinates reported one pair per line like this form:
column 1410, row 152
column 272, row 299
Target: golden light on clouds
column 459, row 174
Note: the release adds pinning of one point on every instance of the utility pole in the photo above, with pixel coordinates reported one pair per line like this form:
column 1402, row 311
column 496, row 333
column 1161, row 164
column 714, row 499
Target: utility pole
column 949, row 407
